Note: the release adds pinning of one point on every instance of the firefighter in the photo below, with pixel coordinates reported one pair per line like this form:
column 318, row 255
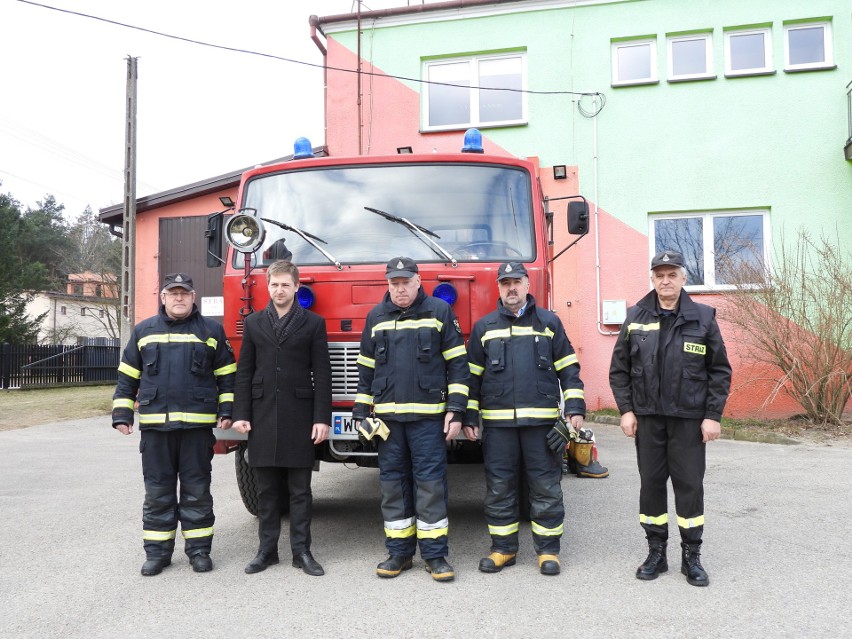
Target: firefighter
column 670, row 377
column 179, row 368
column 519, row 358
column 413, row 379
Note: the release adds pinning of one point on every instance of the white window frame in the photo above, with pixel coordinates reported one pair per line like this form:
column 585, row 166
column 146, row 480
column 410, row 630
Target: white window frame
column 708, row 56
column 828, row 63
column 769, row 66
column 708, row 243
column 652, row 79
column 473, row 92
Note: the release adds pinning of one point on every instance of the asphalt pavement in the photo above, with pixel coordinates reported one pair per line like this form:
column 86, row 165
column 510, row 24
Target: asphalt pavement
column 776, row 548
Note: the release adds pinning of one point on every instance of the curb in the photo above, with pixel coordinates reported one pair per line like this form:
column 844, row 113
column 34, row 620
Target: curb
column 741, row 435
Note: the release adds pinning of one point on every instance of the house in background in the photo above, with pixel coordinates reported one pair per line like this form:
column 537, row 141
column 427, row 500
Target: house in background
column 86, row 312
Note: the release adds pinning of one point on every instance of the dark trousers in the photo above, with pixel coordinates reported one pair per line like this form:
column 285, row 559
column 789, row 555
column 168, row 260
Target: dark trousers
column 170, row 457
column 413, row 478
column 671, row 447
column 270, row 483
column 504, row 449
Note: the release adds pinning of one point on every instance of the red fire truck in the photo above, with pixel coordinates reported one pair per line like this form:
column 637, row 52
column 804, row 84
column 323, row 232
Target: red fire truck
column 340, row 219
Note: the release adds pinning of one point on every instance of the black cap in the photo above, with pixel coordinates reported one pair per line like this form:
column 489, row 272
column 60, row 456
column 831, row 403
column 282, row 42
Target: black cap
column 667, row 258
column 401, row 267
column 175, row 280
column 514, row 270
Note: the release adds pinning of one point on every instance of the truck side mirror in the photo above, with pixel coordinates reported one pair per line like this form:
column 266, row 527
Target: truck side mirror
column 214, row 239
column 578, row 217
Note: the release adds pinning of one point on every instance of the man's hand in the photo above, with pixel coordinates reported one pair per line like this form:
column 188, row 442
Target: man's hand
column 710, row 430
column 629, row 424
column 452, row 425
column 241, row 426
column 124, row 429
column 471, row 432
column 319, row 433
column 577, row 422
column 224, row 423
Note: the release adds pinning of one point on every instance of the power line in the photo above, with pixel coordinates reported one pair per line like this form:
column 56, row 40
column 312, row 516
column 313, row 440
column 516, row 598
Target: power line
column 307, row 64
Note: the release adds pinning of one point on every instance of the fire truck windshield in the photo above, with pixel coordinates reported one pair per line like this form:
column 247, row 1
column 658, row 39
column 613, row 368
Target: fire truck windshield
column 474, row 212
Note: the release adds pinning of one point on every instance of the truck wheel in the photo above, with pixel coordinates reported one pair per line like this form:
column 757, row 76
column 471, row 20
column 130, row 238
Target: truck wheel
column 247, row 483
column 246, row 479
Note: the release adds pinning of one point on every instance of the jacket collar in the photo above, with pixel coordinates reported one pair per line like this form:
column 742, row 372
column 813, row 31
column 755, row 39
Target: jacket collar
column 389, row 307
column 686, row 308
column 530, row 308
column 169, row 320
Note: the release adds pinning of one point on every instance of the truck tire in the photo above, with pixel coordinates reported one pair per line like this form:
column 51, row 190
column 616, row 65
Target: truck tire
column 247, row 483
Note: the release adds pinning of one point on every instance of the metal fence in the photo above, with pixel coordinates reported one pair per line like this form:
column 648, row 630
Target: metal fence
column 33, row 366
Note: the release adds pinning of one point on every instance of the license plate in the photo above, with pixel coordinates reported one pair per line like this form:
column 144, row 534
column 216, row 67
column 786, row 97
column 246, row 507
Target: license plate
column 343, row 426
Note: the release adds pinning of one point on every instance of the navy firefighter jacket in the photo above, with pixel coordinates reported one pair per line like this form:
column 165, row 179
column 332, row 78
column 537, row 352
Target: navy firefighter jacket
column 181, row 371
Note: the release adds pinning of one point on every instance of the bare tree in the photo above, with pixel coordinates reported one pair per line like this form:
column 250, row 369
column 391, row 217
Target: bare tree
column 798, row 319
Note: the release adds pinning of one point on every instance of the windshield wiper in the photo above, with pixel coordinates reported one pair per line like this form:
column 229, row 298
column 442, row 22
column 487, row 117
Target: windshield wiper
column 308, row 238
column 420, row 232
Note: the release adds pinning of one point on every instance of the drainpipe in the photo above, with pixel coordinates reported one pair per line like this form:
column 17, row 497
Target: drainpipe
column 314, row 22
column 597, row 223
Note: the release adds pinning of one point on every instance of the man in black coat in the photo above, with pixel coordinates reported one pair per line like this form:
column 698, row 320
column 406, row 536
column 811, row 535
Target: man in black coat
column 670, row 377
column 283, row 401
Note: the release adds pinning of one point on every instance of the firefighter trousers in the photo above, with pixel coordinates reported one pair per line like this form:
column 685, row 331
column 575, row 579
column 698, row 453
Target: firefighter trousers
column 671, row 447
column 509, row 451
column 181, row 456
column 413, row 478
column 273, row 486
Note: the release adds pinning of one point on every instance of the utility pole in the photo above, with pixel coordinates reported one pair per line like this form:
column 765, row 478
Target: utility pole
column 128, row 240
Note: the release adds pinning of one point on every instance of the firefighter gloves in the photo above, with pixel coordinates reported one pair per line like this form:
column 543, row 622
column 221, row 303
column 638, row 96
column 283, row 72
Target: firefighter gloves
column 372, row 426
column 559, row 435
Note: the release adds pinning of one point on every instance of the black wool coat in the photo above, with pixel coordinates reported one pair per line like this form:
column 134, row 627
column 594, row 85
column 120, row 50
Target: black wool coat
column 276, row 393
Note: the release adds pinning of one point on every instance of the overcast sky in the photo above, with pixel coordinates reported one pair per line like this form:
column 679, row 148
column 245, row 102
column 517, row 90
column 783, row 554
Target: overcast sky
column 201, row 111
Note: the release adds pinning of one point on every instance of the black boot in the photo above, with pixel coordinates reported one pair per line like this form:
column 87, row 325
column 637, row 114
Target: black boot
column 656, row 561
column 691, row 565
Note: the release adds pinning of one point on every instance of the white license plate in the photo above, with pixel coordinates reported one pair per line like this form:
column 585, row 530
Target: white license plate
column 343, row 426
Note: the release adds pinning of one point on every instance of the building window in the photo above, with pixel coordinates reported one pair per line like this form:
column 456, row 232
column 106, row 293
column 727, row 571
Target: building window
column 99, row 290
column 78, row 289
column 808, row 46
column 721, row 248
column 461, row 105
column 83, row 311
column 748, row 52
column 63, row 310
column 690, row 57
column 100, row 313
column 634, row 62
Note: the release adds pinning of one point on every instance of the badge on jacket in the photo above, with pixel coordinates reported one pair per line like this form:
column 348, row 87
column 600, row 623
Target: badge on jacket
column 456, row 324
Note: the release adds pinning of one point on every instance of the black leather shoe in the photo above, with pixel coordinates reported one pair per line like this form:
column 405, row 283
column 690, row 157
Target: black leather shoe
column 655, row 563
column 691, row 565
column 308, row 564
column 201, row 562
column 393, row 565
column 263, row 561
column 155, row 566
column 440, row 569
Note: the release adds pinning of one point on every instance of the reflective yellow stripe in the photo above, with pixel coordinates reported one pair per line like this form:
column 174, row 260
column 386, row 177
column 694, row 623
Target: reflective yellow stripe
column 366, row 361
column 522, row 331
column 458, row 388
column 475, row 370
column 401, row 533
column 656, row 521
column 158, row 535
column 393, row 325
column 175, row 338
column 515, row 331
column 225, row 370
column 537, row 413
column 193, row 418
column 226, row 397
column 473, row 404
column 452, row 353
column 496, row 334
column 360, row 398
column 128, row 370
column 693, row 522
column 573, row 393
column 502, row 531
column 152, row 418
column 643, row 327
column 541, row 531
column 431, row 534
column 425, row 409
column 197, row 533
column 565, row 361
column 503, row 413
column 123, row 403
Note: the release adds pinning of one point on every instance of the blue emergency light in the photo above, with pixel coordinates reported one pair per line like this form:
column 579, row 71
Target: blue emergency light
column 302, row 149
column 472, row 142
column 305, row 296
column 446, row 292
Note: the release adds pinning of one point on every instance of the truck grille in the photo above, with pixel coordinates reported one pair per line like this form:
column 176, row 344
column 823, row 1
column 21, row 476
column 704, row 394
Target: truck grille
column 344, row 370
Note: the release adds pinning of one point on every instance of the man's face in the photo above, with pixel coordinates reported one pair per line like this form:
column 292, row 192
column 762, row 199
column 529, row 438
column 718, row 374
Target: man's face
column 668, row 282
column 178, row 302
column 403, row 290
column 513, row 292
column 282, row 289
